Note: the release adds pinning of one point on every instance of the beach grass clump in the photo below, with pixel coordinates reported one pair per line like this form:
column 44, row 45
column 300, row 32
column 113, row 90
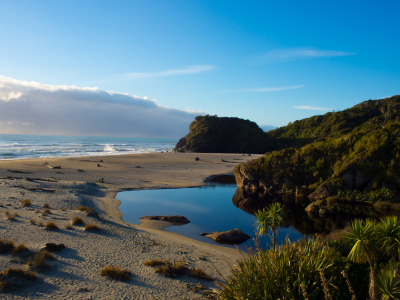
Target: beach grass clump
column 32, row 221
column 87, row 210
column 199, row 274
column 11, row 217
column 51, row 226
column 169, row 269
column 279, row 273
column 10, row 275
column 154, row 262
column 20, row 248
column 63, row 208
column 46, row 211
column 77, row 221
column 40, row 223
column 92, row 227
column 26, row 202
column 116, row 273
column 40, row 260
column 46, row 205
column 48, row 254
column 69, row 226
column 6, row 246
column 7, row 212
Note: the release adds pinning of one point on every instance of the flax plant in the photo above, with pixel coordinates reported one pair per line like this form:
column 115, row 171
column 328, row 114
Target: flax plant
column 362, row 236
column 389, row 237
column 289, row 272
column 270, row 218
column 388, row 284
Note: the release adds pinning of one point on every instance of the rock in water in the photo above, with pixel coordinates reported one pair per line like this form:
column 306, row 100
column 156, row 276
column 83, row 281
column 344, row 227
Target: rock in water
column 174, row 219
column 231, row 236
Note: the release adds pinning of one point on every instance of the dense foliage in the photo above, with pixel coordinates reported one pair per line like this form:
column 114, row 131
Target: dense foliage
column 360, row 154
column 223, row 135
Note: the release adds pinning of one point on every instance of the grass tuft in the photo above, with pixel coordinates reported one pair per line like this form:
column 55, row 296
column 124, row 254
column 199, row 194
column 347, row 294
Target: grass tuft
column 69, row 226
column 77, row 221
column 63, row 208
column 6, row 246
column 46, row 211
column 169, row 269
column 154, row 263
column 200, row 274
column 92, row 227
column 20, row 248
column 7, row 212
column 116, row 273
column 40, row 223
column 40, row 261
column 46, row 205
column 10, row 275
column 33, row 222
column 26, row 202
column 51, row 226
column 11, row 217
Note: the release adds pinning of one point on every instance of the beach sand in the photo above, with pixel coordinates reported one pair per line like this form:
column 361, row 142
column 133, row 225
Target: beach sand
column 74, row 273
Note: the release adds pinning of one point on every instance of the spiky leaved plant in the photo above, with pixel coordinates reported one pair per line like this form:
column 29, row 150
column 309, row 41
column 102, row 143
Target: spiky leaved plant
column 389, row 237
column 362, row 237
column 388, row 284
column 270, row 218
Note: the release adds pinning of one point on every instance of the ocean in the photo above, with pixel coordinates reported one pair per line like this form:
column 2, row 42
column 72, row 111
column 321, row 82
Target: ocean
column 18, row 146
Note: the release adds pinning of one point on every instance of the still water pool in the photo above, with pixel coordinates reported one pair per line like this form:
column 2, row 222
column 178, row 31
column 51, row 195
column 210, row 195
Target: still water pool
column 209, row 208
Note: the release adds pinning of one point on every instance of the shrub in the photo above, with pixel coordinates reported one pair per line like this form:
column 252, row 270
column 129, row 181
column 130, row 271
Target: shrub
column 69, row 226
column 116, row 273
column 26, row 202
column 40, row 261
column 154, row 262
column 46, row 211
column 200, row 274
column 51, row 226
column 77, row 221
column 40, row 223
column 8, row 277
column 89, row 211
column 7, row 212
column 33, row 222
column 46, row 205
column 169, row 269
column 11, row 217
column 20, row 248
column 48, row 255
column 63, row 208
column 6, row 246
column 92, row 227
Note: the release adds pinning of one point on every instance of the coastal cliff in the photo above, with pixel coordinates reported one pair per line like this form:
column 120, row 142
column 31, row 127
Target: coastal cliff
column 354, row 156
column 211, row 134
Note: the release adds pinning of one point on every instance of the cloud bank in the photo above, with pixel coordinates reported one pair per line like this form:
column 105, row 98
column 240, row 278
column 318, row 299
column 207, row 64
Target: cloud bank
column 312, row 108
column 35, row 108
column 292, row 54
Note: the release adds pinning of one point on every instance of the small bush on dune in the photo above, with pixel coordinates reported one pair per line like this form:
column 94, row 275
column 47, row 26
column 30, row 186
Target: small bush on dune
column 6, row 246
column 92, row 227
column 154, row 263
column 46, row 211
column 40, row 261
column 26, row 202
column 116, row 273
column 200, row 274
column 51, row 226
column 169, row 269
column 77, row 221
column 20, row 248
column 11, row 217
column 8, row 277
column 40, row 223
column 48, row 254
column 46, row 205
column 88, row 211
column 7, row 212
column 32, row 221
column 69, row 226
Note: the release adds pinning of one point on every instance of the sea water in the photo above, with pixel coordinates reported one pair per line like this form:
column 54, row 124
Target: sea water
column 18, row 146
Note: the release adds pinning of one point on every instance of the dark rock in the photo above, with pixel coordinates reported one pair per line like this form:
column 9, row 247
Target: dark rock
column 197, row 159
column 173, row 219
column 54, row 247
column 203, row 233
column 231, row 236
column 98, row 165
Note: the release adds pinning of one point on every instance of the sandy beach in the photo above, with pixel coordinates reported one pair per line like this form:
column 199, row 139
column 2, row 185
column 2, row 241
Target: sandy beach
column 94, row 182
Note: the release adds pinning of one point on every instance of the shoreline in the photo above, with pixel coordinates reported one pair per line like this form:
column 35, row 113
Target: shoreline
column 75, row 188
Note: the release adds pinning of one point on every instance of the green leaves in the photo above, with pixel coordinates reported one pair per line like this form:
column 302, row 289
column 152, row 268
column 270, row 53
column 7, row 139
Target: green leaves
column 363, row 238
column 388, row 285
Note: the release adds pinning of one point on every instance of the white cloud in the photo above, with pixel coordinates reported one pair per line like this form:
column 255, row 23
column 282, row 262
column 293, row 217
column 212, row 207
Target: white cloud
column 284, row 55
column 312, row 108
column 188, row 70
column 35, row 108
column 271, row 89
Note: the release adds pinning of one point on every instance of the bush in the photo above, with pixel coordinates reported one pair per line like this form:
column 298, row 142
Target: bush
column 51, row 226
column 200, row 274
column 20, row 248
column 32, row 221
column 77, row 221
column 92, row 227
column 26, row 202
column 154, row 263
column 6, row 246
column 69, row 227
column 46, row 211
column 46, row 205
column 40, row 261
column 116, row 273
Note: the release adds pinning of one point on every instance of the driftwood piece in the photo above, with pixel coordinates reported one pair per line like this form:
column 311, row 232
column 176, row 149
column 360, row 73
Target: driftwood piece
column 38, row 189
column 47, row 164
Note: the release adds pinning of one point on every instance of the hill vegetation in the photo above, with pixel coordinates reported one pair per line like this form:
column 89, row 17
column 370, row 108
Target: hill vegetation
column 353, row 154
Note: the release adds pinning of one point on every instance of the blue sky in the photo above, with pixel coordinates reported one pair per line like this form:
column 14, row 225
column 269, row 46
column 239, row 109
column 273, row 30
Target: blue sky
column 272, row 62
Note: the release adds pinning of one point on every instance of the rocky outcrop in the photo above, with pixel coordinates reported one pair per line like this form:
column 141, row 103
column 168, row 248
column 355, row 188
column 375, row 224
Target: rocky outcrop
column 172, row 219
column 211, row 134
column 235, row 236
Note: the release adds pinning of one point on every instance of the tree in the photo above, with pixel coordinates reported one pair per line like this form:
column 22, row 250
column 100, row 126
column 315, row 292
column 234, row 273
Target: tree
column 362, row 238
column 389, row 237
column 270, row 218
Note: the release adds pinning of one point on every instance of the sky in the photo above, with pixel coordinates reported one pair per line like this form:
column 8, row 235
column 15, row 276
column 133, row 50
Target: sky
column 147, row 68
